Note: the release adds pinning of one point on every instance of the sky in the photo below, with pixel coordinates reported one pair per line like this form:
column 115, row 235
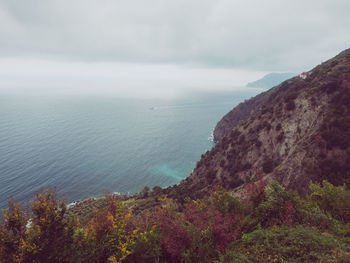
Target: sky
column 163, row 47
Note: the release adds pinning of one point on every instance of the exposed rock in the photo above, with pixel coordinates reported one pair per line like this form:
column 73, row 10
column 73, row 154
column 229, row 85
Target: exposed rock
column 240, row 113
column 297, row 132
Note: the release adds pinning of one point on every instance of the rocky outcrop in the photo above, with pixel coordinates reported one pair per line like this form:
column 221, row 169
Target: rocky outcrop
column 240, row 113
column 297, row 132
column 244, row 110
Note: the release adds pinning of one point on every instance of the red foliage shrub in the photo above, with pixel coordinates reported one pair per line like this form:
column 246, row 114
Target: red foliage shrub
column 174, row 236
column 288, row 214
column 225, row 227
column 256, row 190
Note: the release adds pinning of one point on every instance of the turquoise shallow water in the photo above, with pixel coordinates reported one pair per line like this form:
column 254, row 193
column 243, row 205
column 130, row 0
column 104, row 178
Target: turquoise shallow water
column 85, row 146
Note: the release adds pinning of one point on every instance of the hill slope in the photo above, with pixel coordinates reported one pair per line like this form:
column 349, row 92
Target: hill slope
column 296, row 132
column 270, row 80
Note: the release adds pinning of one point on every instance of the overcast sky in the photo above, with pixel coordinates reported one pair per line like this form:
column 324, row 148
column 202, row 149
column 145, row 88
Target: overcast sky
column 163, row 46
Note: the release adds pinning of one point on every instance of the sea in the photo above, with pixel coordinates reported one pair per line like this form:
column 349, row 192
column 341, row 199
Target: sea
column 85, row 146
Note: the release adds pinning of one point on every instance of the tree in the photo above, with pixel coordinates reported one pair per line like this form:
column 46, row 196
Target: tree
column 50, row 235
column 12, row 232
column 109, row 238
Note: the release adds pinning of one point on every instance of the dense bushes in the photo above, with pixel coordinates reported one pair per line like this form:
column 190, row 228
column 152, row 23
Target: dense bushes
column 12, row 232
column 334, row 171
column 287, row 244
column 47, row 235
column 290, row 105
column 270, row 225
column 334, row 200
column 336, row 128
column 277, row 208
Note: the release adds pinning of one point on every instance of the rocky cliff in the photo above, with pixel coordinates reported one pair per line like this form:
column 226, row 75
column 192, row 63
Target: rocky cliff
column 241, row 112
column 297, row 132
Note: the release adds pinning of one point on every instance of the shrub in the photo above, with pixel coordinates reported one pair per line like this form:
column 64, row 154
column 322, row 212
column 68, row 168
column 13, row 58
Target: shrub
column 335, row 138
column 278, row 127
column 223, row 201
column 267, row 125
column 241, row 138
column 210, row 175
column 258, row 143
column 48, row 234
column 194, row 235
column 290, row 105
column 332, row 199
column 12, row 232
column 145, row 192
column 235, row 181
column 212, row 229
column 202, row 246
column 222, row 163
column 219, row 228
column 286, row 244
column 280, row 137
column 255, row 192
column 232, row 256
column 291, row 96
column 108, row 237
column 147, row 247
column 156, row 190
column 334, row 171
column 311, row 215
column 277, row 208
column 51, row 233
column 246, row 166
column 331, row 86
column 268, row 165
column 174, row 238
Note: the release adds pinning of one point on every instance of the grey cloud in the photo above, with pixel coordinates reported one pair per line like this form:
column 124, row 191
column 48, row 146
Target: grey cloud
column 276, row 35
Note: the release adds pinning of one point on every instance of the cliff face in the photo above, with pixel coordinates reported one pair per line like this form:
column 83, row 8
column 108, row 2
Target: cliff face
column 296, row 132
column 240, row 113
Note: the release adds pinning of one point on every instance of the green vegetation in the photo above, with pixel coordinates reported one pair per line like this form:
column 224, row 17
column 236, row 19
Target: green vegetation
column 270, row 225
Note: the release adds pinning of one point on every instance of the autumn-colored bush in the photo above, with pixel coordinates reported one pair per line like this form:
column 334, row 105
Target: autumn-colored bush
column 44, row 235
column 270, row 225
column 255, row 192
column 204, row 228
column 12, row 232
column 108, row 236
column 174, row 235
column 224, row 226
column 50, row 235
column 147, row 248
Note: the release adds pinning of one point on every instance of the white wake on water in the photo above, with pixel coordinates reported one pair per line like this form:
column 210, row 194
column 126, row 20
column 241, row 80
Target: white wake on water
column 211, row 136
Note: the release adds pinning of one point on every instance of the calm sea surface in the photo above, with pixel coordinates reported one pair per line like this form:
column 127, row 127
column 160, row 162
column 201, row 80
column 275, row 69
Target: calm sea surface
column 85, row 146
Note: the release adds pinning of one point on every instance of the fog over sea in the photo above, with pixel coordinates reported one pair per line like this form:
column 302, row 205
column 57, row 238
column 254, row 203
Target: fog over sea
column 84, row 146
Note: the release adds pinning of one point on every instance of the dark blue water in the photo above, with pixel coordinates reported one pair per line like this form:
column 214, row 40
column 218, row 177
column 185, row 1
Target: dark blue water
column 85, row 146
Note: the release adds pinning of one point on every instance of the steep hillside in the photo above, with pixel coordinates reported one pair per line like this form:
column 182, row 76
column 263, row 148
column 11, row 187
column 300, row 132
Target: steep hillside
column 241, row 112
column 296, row 132
column 246, row 108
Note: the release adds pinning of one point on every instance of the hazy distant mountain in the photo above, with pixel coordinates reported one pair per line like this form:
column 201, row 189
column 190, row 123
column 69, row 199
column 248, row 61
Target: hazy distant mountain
column 270, row 80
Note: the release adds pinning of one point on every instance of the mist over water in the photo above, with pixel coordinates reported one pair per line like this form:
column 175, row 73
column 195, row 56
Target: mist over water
column 85, row 145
